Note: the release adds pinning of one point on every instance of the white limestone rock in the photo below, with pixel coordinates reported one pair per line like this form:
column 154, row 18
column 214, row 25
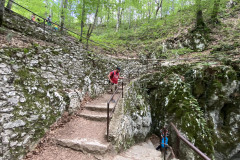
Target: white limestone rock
column 17, row 123
column 85, row 145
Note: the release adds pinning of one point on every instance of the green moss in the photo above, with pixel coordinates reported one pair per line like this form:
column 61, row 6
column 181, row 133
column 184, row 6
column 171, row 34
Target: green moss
column 25, row 50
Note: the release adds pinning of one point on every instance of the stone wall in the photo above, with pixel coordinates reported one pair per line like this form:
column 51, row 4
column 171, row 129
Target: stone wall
column 131, row 121
column 29, row 28
column 38, row 84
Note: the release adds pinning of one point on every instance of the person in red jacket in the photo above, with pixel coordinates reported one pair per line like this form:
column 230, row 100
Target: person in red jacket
column 113, row 78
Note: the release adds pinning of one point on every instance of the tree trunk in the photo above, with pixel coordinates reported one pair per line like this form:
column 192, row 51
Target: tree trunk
column 108, row 17
column 82, row 20
column 9, row 5
column 64, row 7
column 159, row 5
column 149, row 11
column 2, row 3
column 173, row 7
column 130, row 16
column 161, row 10
column 199, row 21
column 121, row 15
column 91, row 27
column 118, row 20
column 118, row 17
column 215, row 11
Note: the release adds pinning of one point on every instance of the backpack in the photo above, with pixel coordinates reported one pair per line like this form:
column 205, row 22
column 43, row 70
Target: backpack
column 111, row 77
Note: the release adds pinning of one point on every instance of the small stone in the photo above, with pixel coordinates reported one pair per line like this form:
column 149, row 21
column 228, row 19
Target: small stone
column 43, row 68
column 3, row 103
column 20, row 54
column 5, row 139
column 15, row 67
column 33, row 118
column 13, row 144
column 5, row 71
column 23, row 99
column 26, row 139
column 14, row 135
column 6, row 110
column 33, row 62
column 12, row 93
column 14, row 100
column 17, row 123
column 21, row 113
column 3, row 65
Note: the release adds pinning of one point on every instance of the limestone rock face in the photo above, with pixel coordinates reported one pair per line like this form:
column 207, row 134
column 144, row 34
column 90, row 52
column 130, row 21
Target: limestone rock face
column 174, row 46
column 201, row 100
column 132, row 120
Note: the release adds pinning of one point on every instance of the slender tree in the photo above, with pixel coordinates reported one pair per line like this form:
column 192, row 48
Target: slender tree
column 119, row 15
column 159, row 5
column 2, row 3
column 149, row 10
column 108, row 14
column 9, row 5
column 82, row 19
column 91, row 26
column 173, row 5
column 215, row 11
column 199, row 20
column 130, row 17
column 64, row 4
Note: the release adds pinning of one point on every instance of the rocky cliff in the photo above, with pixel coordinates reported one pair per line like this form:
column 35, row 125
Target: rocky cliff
column 201, row 99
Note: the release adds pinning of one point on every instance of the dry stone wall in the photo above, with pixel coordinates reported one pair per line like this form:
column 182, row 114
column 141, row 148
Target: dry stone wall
column 38, row 84
column 29, row 28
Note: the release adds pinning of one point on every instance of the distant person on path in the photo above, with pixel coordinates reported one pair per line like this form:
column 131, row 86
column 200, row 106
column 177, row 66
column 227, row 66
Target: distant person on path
column 55, row 27
column 164, row 141
column 113, row 78
column 33, row 18
column 49, row 20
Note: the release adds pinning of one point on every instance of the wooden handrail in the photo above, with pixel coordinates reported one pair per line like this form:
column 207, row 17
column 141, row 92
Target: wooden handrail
column 200, row 153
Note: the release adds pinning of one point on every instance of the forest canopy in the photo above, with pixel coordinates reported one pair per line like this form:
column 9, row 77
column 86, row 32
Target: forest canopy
column 105, row 18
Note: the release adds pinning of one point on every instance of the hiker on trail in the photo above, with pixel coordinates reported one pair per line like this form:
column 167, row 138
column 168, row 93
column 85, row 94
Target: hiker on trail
column 33, row 18
column 164, row 140
column 113, row 78
column 55, row 27
column 49, row 20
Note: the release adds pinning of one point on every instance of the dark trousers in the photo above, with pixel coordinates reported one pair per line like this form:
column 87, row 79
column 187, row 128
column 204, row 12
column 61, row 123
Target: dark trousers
column 161, row 148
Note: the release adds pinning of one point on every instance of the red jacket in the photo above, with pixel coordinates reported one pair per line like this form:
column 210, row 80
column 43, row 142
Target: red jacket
column 114, row 76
